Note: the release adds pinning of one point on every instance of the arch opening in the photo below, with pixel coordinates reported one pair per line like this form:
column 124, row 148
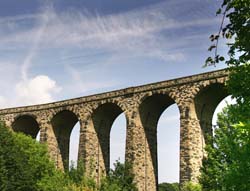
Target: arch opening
column 206, row 102
column 74, row 145
column 38, row 136
column 103, row 118
column 151, row 110
column 118, row 140
column 63, row 123
column 26, row 124
column 226, row 101
column 168, row 139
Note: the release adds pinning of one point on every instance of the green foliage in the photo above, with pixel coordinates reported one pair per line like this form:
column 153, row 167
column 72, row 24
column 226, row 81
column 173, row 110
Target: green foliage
column 76, row 175
column 25, row 164
column 53, row 182
column 168, row 187
column 119, row 179
column 239, row 88
column 237, row 31
column 227, row 166
column 190, row 186
column 78, row 180
column 6, row 142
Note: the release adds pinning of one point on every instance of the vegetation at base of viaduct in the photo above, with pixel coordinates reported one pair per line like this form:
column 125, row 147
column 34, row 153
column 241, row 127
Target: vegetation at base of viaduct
column 25, row 166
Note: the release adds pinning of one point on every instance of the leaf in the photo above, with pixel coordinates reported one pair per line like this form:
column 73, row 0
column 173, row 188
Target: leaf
column 224, row 3
column 211, row 47
column 211, row 37
column 209, row 61
column 221, row 58
column 216, row 37
column 216, row 59
column 228, row 35
column 218, row 11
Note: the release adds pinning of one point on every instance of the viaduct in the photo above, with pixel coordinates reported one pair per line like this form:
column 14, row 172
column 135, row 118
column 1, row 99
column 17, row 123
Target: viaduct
column 196, row 96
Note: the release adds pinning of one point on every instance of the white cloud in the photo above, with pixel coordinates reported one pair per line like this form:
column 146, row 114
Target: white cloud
column 3, row 101
column 39, row 89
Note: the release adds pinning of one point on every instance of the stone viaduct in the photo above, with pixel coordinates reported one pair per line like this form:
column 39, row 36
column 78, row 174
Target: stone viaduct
column 196, row 96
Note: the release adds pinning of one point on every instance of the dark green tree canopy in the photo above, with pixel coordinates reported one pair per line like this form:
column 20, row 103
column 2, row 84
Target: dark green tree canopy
column 24, row 164
column 227, row 165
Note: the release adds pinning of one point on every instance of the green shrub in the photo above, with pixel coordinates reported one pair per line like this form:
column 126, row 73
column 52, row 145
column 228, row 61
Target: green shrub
column 25, row 164
column 190, row 186
column 168, row 187
column 119, row 179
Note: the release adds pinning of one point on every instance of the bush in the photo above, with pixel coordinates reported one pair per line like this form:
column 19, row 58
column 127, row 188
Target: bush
column 25, row 165
column 190, row 186
column 119, row 179
column 168, row 187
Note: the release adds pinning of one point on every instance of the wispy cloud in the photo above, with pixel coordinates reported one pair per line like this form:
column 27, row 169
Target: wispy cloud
column 28, row 89
column 36, row 40
column 135, row 31
column 139, row 33
column 83, row 85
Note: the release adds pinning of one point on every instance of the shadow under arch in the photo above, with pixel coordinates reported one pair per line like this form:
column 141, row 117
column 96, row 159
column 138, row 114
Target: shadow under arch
column 206, row 102
column 150, row 109
column 63, row 123
column 26, row 124
column 103, row 118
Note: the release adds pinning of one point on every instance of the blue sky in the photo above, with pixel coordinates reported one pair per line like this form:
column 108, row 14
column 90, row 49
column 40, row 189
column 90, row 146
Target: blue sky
column 60, row 49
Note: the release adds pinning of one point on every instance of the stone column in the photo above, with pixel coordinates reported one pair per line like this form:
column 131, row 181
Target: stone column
column 138, row 152
column 90, row 150
column 48, row 137
column 191, row 145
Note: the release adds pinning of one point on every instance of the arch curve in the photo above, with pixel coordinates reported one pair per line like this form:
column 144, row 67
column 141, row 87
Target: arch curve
column 103, row 118
column 154, row 104
column 150, row 109
column 62, row 123
column 27, row 124
column 206, row 101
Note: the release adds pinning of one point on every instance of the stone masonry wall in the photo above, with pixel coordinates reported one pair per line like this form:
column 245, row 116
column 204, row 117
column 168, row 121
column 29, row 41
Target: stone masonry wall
column 142, row 107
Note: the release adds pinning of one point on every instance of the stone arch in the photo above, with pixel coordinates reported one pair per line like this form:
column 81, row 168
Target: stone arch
column 102, row 119
column 62, row 125
column 54, row 111
column 205, row 103
column 151, row 107
column 27, row 124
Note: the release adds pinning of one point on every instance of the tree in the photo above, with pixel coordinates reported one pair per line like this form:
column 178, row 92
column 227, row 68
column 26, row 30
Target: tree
column 237, row 30
column 190, row 186
column 227, row 166
column 25, row 165
column 168, row 186
column 77, row 179
column 119, row 179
